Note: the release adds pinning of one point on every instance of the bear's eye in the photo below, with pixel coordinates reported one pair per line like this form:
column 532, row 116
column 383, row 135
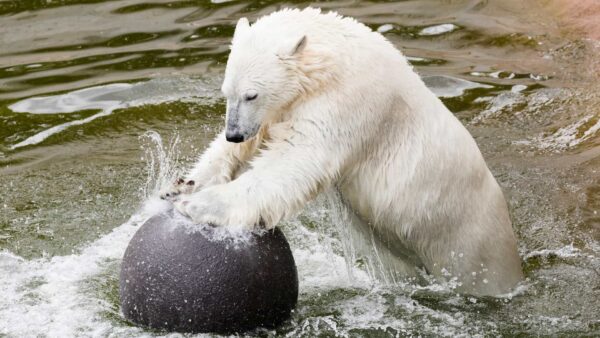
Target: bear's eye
column 251, row 95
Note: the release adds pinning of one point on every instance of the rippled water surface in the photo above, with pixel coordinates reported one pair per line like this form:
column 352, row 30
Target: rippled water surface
column 99, row 98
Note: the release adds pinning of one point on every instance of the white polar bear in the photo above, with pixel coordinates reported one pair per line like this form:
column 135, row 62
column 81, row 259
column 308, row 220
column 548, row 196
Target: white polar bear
column 318, row 101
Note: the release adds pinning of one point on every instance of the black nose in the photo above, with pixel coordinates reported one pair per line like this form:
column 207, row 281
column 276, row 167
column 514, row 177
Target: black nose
column 234, row 137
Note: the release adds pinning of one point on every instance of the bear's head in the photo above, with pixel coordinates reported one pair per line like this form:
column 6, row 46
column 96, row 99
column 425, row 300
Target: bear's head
column 263, row 77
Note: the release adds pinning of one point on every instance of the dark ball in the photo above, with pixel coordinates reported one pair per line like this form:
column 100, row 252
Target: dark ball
column 181, row 277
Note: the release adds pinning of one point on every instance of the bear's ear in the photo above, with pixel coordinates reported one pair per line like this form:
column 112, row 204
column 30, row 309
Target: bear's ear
column 294, row 47
column 300, row 45
column 242, row 26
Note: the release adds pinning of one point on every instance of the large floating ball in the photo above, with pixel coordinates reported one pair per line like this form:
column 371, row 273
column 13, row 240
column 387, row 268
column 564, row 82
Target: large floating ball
column 182, row 277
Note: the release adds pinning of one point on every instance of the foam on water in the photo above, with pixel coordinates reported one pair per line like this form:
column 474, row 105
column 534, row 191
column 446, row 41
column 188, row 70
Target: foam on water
column 571, row 135
column 46, row 296
column 568, row 251
column 498, row 104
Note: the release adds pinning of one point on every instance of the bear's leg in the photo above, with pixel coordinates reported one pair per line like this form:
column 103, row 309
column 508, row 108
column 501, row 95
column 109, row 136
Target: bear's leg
column 217, row 165
column 480, row 250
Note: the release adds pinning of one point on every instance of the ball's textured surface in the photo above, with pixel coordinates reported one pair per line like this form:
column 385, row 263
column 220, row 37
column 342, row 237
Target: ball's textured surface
column 180, row 279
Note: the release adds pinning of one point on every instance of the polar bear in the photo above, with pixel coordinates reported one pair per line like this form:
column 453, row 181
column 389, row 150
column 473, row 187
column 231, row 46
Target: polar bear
column 318, row 101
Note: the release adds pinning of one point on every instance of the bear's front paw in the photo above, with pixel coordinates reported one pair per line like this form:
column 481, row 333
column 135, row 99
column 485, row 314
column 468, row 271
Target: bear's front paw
column 180, row 186
column 219, row 207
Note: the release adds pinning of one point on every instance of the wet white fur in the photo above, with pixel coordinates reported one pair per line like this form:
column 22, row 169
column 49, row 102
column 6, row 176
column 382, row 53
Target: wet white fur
column 346, row 111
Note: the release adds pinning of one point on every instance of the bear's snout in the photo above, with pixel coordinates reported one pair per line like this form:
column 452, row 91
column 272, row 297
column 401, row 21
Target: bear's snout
column 234, row 137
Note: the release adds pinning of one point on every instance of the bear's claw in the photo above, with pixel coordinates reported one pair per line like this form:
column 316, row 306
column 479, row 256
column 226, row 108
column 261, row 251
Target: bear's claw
column 180, row 186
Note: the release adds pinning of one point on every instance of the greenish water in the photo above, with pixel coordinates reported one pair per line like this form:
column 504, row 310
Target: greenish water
column 87, row 87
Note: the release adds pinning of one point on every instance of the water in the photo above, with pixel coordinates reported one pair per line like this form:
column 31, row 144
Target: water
column 99, row 100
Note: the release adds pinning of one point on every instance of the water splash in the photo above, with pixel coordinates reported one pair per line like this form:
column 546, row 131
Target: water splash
column 50, row 292
column 162, row 162
column 363, row 249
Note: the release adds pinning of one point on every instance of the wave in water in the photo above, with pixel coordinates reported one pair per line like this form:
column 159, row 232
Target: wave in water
column 107, row 99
